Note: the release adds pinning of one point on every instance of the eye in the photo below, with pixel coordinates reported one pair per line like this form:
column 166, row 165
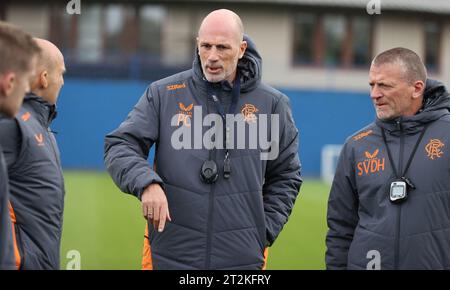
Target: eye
column 222, row 47
column 205, row 45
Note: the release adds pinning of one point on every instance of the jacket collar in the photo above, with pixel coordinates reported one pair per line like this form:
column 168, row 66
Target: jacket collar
column 45, row 112
column 436, row 103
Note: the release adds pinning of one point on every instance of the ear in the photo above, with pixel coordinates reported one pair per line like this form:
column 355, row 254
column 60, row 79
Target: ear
column 2, row 85
column 7, row 83
column 43, row 79
column 419, row 88
column 242, row 49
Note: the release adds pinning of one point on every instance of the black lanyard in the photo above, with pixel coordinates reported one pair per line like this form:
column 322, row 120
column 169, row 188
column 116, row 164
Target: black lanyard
column 235, row 92
column 391, row 160
column 235, row 97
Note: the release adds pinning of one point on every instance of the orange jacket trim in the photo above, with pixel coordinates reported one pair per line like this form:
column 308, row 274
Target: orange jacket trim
column 266, row 256
column 16, row 247
column 147, row 263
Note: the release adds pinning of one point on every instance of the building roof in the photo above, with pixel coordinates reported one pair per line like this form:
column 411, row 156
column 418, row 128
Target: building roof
column 429, row 6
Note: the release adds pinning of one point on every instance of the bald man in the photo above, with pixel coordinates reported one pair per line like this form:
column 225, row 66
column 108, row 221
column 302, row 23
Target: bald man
column 51, row 69
column 35, row 176
column 218, row 196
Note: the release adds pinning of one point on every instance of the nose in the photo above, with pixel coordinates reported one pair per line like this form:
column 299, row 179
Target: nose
column 213, row 55
column 375, row 92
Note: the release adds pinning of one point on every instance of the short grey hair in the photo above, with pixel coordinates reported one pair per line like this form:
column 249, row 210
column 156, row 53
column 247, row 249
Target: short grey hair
column 413, row 66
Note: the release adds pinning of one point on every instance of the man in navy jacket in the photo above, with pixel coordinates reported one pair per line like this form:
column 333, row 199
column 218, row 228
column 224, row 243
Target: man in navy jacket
column 18, row 59
column 35, row 175
column 225, row 203
column 389, row 206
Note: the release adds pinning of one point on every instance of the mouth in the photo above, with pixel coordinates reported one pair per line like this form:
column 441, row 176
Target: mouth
column 380, row 105
column 213, row 69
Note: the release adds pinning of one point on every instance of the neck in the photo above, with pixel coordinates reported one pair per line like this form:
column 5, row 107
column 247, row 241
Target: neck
column 417, row 107
column 42, row 95
column 232, row 78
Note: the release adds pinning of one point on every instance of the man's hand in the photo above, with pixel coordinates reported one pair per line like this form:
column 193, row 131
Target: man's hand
column 154, row 206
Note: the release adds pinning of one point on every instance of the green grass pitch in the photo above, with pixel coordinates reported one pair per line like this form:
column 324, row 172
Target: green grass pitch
column 106, row 226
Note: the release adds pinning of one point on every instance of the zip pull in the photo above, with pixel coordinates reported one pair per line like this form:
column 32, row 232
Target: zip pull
column 227, row 166
column 399, row 124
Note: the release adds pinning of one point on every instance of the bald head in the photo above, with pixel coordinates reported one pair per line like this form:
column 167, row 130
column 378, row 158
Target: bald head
column 223, row 21
column 50, row 54
column 50, row 69
column 220, row 45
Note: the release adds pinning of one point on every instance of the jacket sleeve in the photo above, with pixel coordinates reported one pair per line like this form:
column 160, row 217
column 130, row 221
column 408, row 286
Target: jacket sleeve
column 11, row 140
column 7, row 258
column 342, row 216
column 127, row 148
column 282, row 177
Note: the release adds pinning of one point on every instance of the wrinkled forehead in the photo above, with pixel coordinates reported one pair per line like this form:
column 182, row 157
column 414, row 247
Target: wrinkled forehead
column 392, row 70
column 217, row 40
column 213, row 31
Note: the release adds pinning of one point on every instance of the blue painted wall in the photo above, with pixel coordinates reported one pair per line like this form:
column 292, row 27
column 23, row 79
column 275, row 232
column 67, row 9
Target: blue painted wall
column 88, row 110
column 326, row 118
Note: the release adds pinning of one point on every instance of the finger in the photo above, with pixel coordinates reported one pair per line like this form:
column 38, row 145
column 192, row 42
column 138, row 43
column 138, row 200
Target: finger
column 156, row 219
column 144, row 210
column 156, row 211
column 168, row 214
column 162, row 218
column 150, row 214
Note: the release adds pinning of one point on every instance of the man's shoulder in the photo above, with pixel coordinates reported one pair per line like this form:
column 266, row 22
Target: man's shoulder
column 8, row 125
column 362, row 134
column 270, row 95
column 444, row 119
column 268, row 91
column 10, row 132
column 19, row 125
column 173, row 82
